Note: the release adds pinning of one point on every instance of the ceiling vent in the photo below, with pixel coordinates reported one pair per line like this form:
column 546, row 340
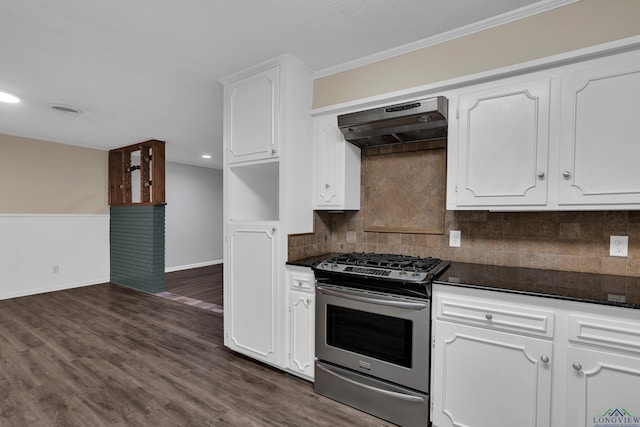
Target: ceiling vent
column 65, row 109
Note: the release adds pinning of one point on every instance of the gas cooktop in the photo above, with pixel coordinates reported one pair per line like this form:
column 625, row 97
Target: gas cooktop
column 388, row 273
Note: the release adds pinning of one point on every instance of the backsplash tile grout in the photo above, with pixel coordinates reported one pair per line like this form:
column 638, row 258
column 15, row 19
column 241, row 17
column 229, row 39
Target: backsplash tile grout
column 565, row 241
column 558, row 240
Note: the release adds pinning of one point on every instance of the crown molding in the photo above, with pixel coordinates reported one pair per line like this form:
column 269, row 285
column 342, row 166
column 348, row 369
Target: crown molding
column 495, row 21
column 620, row 46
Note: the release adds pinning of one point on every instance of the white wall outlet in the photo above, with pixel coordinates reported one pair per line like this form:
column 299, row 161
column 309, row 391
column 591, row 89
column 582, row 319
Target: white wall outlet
column 55, row 269
column 619, row 246
column 455, row 237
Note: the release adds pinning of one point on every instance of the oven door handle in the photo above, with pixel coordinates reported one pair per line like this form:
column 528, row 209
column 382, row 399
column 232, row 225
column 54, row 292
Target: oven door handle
column 389, row 393
column 409, row 305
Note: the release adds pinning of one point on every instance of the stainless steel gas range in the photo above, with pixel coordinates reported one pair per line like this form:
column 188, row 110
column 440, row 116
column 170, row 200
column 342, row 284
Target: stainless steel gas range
column 373, row 333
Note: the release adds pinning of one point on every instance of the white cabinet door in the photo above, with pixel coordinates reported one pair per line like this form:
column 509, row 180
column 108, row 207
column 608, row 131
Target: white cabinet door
column 603, row 388
column 337, row 166
column 302, row 323
column 486, row 378
column 252, row 115
column 503, row 143
column 600, row 136
column 251, row 295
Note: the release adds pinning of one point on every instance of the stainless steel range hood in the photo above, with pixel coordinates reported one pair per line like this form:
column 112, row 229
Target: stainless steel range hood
column 414, row 121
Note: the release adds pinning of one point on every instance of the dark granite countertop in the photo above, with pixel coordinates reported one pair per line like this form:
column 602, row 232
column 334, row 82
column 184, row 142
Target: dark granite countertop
column 584, row 287
column 568, row 285
column 308, row 262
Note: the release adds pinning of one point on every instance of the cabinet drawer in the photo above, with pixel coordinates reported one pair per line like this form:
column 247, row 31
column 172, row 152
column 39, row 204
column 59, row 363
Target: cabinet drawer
column 504, row 317
column 301, row 281
column 605, row 332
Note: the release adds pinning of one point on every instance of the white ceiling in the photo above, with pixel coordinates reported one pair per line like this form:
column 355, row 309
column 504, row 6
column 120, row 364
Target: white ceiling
column 144, row 69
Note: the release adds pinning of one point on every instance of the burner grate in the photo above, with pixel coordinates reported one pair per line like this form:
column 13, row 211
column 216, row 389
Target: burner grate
column 390, row 261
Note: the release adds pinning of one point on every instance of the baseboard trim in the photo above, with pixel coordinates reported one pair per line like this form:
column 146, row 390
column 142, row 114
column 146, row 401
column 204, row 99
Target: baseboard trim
column 190, row 266
column 62, row 287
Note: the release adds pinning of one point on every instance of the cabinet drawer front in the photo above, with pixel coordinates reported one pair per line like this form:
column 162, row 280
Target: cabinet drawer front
column 301, row 281
column 605, row 332
column 512, row 318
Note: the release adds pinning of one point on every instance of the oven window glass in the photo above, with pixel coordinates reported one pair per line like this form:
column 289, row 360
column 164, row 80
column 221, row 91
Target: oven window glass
column 374, row 335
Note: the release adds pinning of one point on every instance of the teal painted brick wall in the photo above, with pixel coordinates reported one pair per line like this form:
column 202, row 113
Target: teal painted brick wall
column 137, row 238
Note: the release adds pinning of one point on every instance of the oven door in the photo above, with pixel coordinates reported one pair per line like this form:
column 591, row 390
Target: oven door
column 381, row 335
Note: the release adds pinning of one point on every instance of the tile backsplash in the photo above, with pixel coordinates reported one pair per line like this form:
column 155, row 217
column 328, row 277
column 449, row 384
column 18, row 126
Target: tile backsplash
column 566, row 241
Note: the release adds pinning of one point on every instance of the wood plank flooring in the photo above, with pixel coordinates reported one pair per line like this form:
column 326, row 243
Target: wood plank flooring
column 106, row 355
column 202, row 283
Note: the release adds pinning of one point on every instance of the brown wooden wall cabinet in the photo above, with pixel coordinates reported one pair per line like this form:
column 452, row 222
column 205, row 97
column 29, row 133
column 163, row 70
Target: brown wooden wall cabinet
column 152, row 174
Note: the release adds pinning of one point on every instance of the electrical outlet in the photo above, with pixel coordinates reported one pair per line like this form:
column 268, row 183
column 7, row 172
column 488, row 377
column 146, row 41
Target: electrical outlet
column 455, row 237
column 619, row 246
column 55, row 269
column 616, row 298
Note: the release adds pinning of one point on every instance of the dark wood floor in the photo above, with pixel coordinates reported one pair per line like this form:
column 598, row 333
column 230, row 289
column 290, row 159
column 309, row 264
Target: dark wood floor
column 202, row 283
column 106, row 355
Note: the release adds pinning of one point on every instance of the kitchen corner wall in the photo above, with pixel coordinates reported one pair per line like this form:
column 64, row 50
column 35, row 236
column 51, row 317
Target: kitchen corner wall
column 574, row 26
column 567, row 241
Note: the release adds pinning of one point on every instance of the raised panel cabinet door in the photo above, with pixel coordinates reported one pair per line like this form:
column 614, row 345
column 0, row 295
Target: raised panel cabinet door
column 329, row 163
column 302, row 318
column 600, row 136
column 251, row 292
column 603, row 388
column 486, row 378
column 252, row 116
column 503, row 145
column 337, row 167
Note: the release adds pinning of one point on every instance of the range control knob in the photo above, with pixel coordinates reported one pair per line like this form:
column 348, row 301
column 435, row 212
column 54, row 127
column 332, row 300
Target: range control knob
column 403, row 273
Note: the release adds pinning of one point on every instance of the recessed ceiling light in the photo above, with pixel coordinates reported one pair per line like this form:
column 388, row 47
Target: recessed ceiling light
column 206, row 156
column 65, row 109
column 8, row 98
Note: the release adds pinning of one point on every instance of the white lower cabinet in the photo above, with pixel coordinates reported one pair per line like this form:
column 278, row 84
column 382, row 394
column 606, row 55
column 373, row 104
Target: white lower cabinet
column 301, row 322
column 603, row 388
column 603, row 363
column 479, row 366
column 251, row 321
column 483, row 374
column 580, row 369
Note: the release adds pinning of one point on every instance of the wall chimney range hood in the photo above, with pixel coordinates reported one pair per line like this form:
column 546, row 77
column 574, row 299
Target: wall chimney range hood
column 413, row 121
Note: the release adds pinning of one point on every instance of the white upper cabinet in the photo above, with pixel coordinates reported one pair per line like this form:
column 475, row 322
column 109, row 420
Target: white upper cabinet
column 337, row 167
column 564, row 138
column 600, row 134
column 503, row 140
column 251, row 114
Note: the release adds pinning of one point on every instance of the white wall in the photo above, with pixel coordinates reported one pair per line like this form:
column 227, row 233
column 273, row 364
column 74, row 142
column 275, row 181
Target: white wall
column 33, row 245
column 193, row 216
